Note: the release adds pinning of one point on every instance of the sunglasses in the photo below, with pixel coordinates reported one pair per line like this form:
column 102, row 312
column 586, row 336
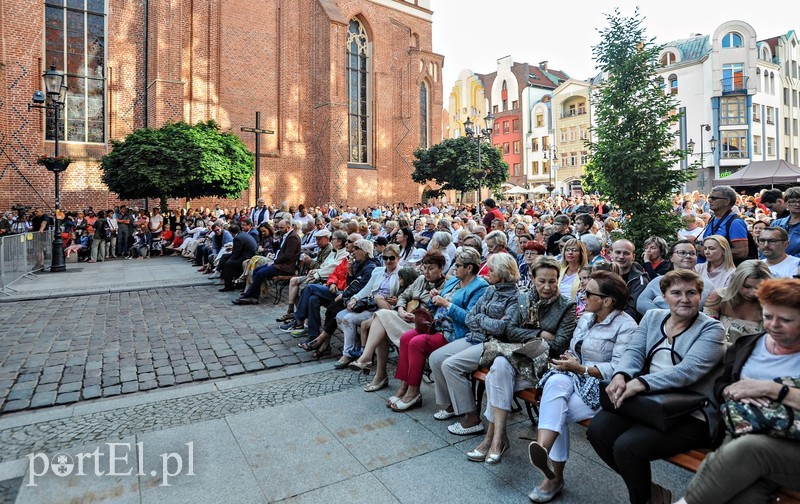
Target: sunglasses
column 587, row 294
column 389, row 258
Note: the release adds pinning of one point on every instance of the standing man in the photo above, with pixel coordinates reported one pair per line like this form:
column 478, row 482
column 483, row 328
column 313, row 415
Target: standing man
column 124, row 223
column 773, row 200
column 39, row 223
column 773, row 242
column 156, row 226
column 634, row 276
column 725, row 222
column 260, row 213
column 791, row 223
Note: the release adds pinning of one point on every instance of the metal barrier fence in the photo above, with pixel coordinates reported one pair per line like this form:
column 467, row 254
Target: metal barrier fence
column 23, row 254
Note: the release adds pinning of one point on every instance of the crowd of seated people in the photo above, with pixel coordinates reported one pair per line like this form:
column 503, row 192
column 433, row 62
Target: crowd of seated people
column 546, row 295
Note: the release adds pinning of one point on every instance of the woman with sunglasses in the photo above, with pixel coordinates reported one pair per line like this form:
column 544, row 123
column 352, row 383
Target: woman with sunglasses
column 383, row 283
column 682, row 256
column 571, row 389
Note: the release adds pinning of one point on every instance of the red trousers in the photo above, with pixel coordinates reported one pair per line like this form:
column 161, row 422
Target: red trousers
column 414, row 349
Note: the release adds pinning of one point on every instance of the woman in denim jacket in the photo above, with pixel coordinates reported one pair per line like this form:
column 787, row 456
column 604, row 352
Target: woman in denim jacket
column 571, row 389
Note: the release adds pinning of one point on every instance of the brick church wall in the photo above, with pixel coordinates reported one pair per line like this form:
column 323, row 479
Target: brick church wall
column 210, row 59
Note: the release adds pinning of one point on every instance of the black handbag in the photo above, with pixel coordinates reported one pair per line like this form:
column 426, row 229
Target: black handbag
column 660, row 410
column 365, row 304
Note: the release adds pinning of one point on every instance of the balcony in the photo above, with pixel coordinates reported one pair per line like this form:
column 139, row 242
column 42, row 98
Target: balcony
column 734, row 155
column 572, row 113
column 734, row 85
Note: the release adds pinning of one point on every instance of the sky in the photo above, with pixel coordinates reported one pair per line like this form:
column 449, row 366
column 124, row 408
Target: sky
column 563, row 34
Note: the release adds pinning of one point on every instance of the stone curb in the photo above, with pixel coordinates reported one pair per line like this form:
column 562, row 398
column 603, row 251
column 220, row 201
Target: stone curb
column 103, row 290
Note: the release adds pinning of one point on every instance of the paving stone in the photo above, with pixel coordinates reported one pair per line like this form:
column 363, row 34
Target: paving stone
column 16, row 405
column 69, row 397
column 165, row 381
column 92, row 392
column 234, row 369
column 254, row 366
column 45, row 387
column 216, row 373
column 147, row 376
column 164, row 371
column 200, row 375
column 92, row 380
column 41, row 399
column 273, row 363
column 50, row 378
column 183, row 378
column 130, row 386
column 17, row 393
column 111, row 391
column 70, row 387
column 179, row 370
column 110, row 380
column 196, row 366
column 147, row 385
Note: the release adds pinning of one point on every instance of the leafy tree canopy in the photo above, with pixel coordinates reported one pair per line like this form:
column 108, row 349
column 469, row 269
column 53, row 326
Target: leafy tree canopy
column 634, row 147
column 178, row 161
column 453, row 164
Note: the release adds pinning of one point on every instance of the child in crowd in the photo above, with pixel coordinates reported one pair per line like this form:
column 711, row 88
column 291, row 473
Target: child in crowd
column 139, row 249
column 580, row 296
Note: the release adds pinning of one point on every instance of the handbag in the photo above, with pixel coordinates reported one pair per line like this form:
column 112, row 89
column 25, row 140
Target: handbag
column 660, row 410
column 493, row 349
column 774, row 420
column 529, row 359
column 424, row 322
column 365, row 304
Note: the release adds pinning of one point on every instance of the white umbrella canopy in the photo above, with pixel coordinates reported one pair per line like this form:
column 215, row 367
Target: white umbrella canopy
column 539, row 189
column 517, row 190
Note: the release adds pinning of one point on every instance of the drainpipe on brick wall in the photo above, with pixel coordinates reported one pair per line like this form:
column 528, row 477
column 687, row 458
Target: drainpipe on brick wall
column 146, row 67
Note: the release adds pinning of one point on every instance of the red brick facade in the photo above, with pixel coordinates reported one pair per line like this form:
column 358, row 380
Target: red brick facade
column 209, row 59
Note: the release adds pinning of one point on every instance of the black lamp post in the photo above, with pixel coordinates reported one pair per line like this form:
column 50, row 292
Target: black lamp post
column 552, row 155
column 56, row 97
column 711, row 143
column 478, row 137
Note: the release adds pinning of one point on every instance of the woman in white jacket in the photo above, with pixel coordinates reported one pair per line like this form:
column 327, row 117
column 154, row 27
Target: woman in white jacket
column 384, row 283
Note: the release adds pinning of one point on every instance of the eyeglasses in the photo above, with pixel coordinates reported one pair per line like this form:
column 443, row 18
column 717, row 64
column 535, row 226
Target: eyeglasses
column 793, row 202
column 714, row 198
column 572, row 250
column 531, row 253
column 587, row 294
column 769, row 241
column 684, row 253
column 389, row 258
column 349, row 241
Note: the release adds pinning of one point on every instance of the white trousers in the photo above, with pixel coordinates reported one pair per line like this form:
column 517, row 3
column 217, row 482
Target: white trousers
column 501, row 383
column 561, row 406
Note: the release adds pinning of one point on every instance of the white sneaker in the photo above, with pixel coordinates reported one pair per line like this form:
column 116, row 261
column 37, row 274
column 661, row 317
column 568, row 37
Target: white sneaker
column 214, row 275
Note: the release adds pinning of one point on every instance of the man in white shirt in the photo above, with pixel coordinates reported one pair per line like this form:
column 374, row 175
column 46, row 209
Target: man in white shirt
column 260, row 213
column 773, row 242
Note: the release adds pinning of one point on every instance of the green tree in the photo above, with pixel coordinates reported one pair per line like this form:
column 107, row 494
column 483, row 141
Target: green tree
column 633, row 150
column 453, row 165
column 178, row 161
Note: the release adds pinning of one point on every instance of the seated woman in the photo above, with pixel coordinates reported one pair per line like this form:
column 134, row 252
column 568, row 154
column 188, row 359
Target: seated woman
column 719, row 266
column 574, row 258
column 139, row 249
column 443, row 242
column 572, row 387
column 547, row 315
column 390, row 325
column 749, row 468
column 530, row 252
column 383, row 283
column 73, row 245
column 452, row 364
column 682, row 256
column 415, row 347
column 737, row 306
column 654, row 257
column 672, row 349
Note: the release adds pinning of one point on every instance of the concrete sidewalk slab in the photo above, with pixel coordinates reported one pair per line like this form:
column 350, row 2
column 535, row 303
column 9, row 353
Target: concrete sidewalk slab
column 291, row 452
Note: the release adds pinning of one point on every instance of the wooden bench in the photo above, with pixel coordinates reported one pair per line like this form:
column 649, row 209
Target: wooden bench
column 689, row 461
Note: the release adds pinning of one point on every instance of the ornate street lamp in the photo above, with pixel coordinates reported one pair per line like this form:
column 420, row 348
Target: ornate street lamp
column 478, row 137
column 690, row 145
column 552, row 155
column 56, row 87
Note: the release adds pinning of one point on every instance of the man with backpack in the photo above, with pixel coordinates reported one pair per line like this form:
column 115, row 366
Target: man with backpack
column 725, row 222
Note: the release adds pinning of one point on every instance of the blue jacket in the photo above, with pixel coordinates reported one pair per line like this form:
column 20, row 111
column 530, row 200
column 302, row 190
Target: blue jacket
column 463, row 301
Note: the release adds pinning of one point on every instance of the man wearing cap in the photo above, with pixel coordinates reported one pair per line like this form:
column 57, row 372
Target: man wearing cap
column 260, row 213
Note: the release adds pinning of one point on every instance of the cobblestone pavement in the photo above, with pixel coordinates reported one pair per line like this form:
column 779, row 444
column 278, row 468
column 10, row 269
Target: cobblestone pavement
column 59, row 351
column 52, row 435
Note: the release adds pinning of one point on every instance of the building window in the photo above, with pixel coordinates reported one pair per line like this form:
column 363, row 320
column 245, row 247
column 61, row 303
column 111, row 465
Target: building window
column 564, row 159
column 668, row 58
column 505, row 148
column 732, row 77
column 494, row 109
column 516, row 146
column 515, row 104
column 770, row 146
column 563, row 135
column 496, row 129
column 756, row 112
column 582, row 108
column 516, row 170
column 516, row 124
column 734, row 144
column 535, row 144
column 584, row 157
column 770, row 115
column 584, row 133
column 75, row 44
column 756, row 145
column 423, row 116
column 545, row 143
column 504, row 96
column 539, row 120
column 794, row 127
column 534, row 167
column 505, row 127
column 573, row 158
column 673, row 84
column 731, row 39
column 357, row 92
column 732, row 110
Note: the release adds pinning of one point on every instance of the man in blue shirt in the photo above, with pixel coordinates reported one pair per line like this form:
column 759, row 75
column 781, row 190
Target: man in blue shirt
column 791, row 223
column 726, row 223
